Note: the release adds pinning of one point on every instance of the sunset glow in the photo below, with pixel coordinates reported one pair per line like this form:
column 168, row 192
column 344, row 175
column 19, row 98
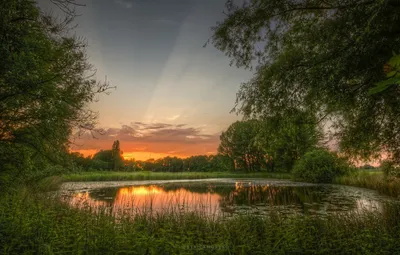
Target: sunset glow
column 142, row 198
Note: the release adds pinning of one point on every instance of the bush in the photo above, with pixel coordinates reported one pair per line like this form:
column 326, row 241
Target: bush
column 389, row 169
column 319, row 166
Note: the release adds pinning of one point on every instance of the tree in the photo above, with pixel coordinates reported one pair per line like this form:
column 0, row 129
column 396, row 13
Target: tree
column 117, row 159
column 284, row 139
column 322, row 57
column 221, row 163
column 103, row 160
column 46, row 84
column 199, row 163
column 238, row 142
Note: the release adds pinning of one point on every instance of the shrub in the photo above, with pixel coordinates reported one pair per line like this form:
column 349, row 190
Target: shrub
column 390, row 169
column 319, row 166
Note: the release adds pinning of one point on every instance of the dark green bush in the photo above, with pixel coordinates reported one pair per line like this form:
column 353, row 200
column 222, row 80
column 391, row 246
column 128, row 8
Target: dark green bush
column 319, row 166
column 390, row 169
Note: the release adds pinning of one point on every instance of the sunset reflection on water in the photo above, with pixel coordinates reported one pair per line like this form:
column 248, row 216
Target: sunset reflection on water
column 137, row 199
column 238, row 197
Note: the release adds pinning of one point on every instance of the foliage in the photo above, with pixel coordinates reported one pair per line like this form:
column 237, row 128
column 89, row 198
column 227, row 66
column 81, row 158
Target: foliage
column 390, row 169
column 105, row 160
column 322, row 57
column 392, row 70
column 45, row 85
column 287, row 138
column 147, row 175
column 117, row 159
column 319, row 166
column 238, row 143
column 36, row 224
column 273, row 143
column 371, row 180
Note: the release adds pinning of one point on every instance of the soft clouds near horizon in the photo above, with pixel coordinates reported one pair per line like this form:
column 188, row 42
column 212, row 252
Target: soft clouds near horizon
column 152, row 51
column 140, row 139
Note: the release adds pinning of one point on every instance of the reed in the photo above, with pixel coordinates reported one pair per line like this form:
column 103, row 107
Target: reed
column 34, row 223
column 371, row 180
column 146, row 175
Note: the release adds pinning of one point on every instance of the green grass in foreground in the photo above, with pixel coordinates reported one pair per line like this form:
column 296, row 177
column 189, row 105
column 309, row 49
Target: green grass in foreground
column 31, row 223
column 146, row 175
column 371, row 180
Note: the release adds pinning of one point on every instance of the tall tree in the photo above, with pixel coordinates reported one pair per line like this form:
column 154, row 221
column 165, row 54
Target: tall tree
column 323, row 57
column 238, row 142
column 46, row 84
column 118, row 160
column 284, row 139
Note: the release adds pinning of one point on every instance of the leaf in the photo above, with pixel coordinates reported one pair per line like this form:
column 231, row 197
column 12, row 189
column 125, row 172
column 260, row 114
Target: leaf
column 383, row 85
column 395, row 61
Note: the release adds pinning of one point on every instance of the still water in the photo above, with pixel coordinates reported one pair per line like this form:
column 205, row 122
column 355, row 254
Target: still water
column 226, row 197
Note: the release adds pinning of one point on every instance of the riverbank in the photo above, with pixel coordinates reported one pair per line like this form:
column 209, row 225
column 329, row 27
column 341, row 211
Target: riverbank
column 147, row 175
column 365, row 179
column 33, row 223
column 374, row 180
column 54, row 182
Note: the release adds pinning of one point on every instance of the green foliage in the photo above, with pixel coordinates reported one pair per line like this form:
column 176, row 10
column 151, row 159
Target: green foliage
column 320, row 166
column 375, row 180
column 390, row 169
column 45, row 86
column 322, row 57
column 147, row 175
column 36, row 224
column 238, row 143
column 287, row 138
column 273, row 143
column 392, row 70
column 117, row 159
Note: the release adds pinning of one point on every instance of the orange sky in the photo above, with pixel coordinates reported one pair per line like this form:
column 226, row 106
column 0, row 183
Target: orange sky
column 157, row 140
column 138, row 155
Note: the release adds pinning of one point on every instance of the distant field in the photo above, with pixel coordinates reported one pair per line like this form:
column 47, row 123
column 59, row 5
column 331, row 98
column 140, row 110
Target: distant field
column 146, row 175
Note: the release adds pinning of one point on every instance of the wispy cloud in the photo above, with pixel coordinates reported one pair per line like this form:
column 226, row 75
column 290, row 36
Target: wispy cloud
column 124, row 3
column 174, row 117
column 180, row 139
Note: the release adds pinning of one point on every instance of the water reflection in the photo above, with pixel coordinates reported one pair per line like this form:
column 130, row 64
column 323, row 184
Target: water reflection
column 143, row 199
column 240, row 197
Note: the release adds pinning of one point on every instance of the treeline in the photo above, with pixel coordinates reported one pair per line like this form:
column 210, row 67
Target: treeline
column 272, row 144
column 104, row 161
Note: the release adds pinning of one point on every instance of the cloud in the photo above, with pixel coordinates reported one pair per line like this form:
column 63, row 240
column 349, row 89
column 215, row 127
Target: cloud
column 124, row 3
column 174, row 117
column 179, row 140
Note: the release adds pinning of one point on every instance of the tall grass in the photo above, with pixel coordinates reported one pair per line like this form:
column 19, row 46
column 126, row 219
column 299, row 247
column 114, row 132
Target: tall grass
column 371, row 180
column 146, row 175
column 32, row 223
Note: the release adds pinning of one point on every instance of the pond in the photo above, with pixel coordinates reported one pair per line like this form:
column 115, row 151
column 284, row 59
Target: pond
column 227, row 197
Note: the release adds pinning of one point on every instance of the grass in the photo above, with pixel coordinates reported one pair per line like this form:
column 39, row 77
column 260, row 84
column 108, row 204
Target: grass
column 371, row 180
column 146, row 175
column 32, row 223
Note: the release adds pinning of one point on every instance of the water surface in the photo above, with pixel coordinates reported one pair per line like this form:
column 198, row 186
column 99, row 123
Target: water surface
column 222, row 197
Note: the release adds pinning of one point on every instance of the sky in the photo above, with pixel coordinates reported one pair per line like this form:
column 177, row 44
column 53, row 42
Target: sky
column 173, row 96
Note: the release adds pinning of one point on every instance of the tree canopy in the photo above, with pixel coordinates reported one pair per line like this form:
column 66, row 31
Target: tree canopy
column 46, row 84
column 323, row 57
column 238, row 143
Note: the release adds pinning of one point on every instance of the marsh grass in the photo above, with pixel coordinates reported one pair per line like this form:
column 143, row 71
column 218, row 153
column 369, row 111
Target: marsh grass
column 146, row 175
column 372, row 180
column 33, row 223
